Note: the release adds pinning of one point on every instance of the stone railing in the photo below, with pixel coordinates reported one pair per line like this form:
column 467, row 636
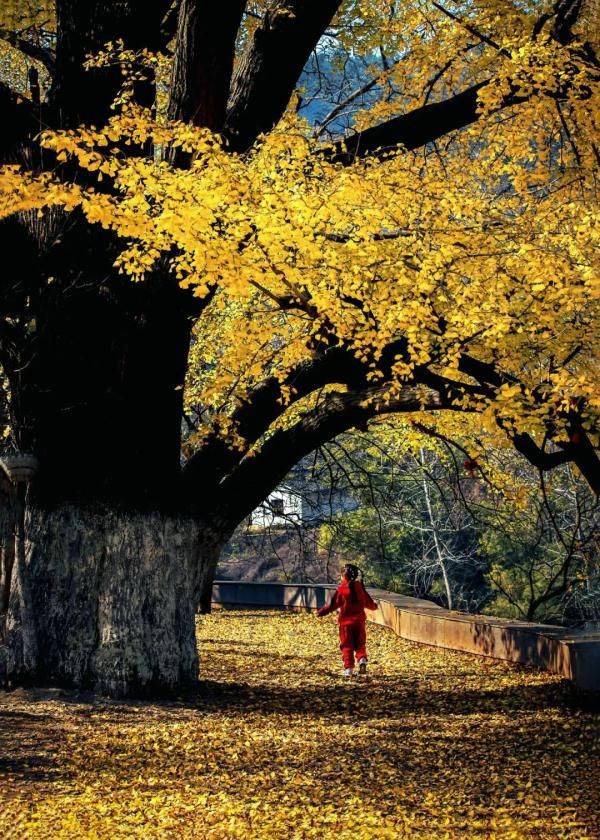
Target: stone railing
column 573, row 654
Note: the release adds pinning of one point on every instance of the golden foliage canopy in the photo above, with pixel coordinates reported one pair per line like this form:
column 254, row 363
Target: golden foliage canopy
column 483, row 246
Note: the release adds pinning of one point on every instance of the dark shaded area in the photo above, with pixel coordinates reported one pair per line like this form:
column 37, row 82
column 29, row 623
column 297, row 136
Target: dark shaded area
column 495, row 759
column 27, row 743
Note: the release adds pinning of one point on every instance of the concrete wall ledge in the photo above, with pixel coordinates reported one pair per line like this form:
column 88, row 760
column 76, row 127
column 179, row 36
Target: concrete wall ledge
column 572, row 654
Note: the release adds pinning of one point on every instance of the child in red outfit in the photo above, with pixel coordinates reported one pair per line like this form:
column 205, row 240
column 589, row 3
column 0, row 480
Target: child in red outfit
column 351, row 599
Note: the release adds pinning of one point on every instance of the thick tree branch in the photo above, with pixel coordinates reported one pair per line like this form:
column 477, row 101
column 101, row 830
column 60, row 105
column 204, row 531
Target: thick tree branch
column 41, row 54
column 203, row 62
column 271, row 66
column 430, row 122
column 265, row 404
column 578, row 451
column 581, row 453
column 268, row 401
column 416, row 128
column 256, row 476
column 218, row 460
column 536, row 456
column 565, row 14
column 486, row 373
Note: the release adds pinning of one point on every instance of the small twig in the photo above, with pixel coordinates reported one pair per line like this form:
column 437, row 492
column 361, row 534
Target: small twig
column 473, row 30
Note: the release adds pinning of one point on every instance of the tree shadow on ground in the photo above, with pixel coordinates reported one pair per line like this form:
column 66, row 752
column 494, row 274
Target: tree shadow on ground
column 26, row 748
column 428, row 746
column 377, row 697
column 364, row 697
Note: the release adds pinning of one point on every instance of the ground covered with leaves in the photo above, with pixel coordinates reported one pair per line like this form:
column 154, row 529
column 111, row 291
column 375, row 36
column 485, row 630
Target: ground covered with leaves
column 277, row 744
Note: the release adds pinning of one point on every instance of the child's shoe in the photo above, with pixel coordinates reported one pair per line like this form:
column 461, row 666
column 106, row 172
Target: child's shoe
column 348, row 672
column 362, row 666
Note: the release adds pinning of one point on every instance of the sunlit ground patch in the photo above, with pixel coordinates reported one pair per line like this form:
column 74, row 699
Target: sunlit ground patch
column 278, row 744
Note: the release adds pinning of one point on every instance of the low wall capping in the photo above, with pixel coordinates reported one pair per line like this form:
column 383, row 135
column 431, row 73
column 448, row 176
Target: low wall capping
column 572, row 654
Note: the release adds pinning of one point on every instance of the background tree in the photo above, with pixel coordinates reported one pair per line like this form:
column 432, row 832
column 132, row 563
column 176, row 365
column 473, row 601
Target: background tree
column 434, row 523
column 407, row 267
column 544, row 556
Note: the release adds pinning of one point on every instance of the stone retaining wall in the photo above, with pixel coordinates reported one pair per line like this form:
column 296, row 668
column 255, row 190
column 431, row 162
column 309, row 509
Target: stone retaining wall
column 573, row 654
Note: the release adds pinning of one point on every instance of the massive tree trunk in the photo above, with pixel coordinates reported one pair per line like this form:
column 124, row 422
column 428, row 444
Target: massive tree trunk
column 105, row 601
column 103, row 558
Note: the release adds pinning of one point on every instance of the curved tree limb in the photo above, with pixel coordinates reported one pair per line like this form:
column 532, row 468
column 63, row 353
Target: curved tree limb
column 257, row 475
column 579, row 450
column 218, row 460
column 265, row 404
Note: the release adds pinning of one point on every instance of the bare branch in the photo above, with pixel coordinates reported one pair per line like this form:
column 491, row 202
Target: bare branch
column 337, row 109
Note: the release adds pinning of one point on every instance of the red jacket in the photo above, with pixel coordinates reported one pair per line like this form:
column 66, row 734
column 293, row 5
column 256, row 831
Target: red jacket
column 350, row 609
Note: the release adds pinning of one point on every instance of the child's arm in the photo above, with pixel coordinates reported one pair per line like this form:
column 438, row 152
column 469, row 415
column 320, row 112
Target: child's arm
column 330, row 607
column 369, row 603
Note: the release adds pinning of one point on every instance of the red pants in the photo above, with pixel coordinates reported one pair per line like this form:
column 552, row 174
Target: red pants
column 353, row 637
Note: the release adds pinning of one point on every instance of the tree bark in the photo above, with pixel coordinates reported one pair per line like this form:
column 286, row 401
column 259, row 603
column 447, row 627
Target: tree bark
column 106, row 601
column 203, row 61
column 78, row 95
column 8, row 528
column 206, row 576
column 108, row 559
column 271, row 65
column 96, row 364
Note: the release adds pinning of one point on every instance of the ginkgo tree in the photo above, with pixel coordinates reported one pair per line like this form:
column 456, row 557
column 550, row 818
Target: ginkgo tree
column 205, row 285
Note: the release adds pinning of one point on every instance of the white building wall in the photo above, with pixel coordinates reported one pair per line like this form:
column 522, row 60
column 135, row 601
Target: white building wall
column 282, row 507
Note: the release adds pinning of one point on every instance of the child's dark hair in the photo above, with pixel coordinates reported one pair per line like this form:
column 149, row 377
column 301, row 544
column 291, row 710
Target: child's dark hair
column 351, row 573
